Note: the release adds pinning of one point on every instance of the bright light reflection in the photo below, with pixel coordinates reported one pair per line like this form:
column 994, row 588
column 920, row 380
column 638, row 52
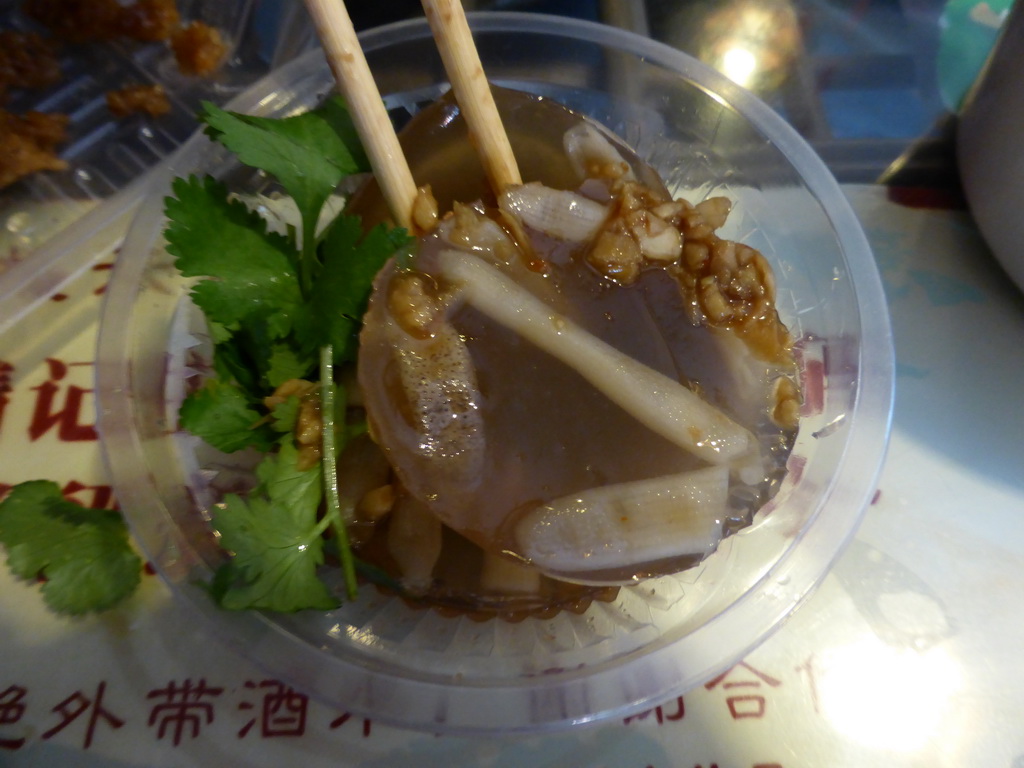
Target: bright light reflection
column 885, row 697
column 739, row 64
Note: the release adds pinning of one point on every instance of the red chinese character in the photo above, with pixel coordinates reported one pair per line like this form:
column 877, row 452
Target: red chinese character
column 183, row 706
column 11, row 711
column 78, row 704
column 104, row 267
column 99, row 497
column 812, row 680
column 748, row 705
column 661, row 713
column 45, row 416
column 345, row 717
column 283, row 711
column 6, row 369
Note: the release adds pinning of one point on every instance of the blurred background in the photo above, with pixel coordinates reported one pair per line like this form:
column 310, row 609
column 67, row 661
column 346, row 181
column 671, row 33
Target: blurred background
column 871, row 84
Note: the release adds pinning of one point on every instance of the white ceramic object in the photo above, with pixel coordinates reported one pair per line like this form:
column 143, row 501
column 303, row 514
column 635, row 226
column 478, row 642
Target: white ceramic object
column 990, row 148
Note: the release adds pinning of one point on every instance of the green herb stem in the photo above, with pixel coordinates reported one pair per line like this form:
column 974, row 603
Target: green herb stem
column 330, row 470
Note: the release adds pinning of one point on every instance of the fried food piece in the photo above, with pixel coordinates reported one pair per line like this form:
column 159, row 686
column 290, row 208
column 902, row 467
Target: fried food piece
column 27, row 60
column 78, row 21
column 198, row 48
column 149, row 99
column 28, row 144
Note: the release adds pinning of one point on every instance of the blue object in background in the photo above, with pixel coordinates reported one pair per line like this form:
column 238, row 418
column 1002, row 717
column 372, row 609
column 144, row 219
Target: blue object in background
column 969, row 29
column 871, row 113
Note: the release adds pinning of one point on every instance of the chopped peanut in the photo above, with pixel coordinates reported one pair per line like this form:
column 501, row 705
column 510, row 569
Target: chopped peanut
column 412, row 304
column 713, row 302
column 715, row 211
column 424, row 209
column 308, row 433
column 635, row 196
column 607, row 170
column 308, row 425
column 293, row 387
column 672, row 212
column 695, row 255
column 616, row 255
column 728, row 284
column 657, row 239
column 786, row 413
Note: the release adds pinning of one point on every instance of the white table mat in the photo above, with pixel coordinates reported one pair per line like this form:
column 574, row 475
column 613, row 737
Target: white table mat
column 908, row 655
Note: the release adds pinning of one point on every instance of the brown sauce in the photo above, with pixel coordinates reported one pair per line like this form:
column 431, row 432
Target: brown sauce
column 684, row 320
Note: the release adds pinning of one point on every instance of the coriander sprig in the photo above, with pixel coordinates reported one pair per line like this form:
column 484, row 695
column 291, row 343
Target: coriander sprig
column 282, row 306
column 330, row 465
column 83, row 555
column 308, row 154
column 279, row 307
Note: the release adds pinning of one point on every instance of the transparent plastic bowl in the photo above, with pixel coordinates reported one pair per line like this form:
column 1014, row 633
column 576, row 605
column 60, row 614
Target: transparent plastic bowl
column 417, row 668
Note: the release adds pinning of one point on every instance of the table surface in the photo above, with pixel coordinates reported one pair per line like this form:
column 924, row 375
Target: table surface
column 908, row 654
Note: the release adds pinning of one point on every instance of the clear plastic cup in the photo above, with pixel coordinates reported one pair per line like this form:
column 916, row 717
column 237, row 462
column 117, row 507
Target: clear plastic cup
column 417, row 668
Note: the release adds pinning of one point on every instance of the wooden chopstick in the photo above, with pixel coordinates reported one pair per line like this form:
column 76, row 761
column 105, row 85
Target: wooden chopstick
column 461, row 60
column 458, row 52
column 348, row 63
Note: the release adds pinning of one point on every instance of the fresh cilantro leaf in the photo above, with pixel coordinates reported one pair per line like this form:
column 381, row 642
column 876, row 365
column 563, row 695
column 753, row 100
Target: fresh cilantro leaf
column 271, row 308
column 405, row 256
column 232, row 361
column 220, row 414
column 309, row 154
column 272, row 569
column 250, row 272
column 339, row 296
column 286, row 363
column 220, row 332
column 259, row 362
column 84, row 555
column 285, row 415
column 296, row 491
column 275, row 540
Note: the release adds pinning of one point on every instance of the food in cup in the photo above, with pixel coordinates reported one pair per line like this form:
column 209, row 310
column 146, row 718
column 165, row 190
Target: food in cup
column 554, row 392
